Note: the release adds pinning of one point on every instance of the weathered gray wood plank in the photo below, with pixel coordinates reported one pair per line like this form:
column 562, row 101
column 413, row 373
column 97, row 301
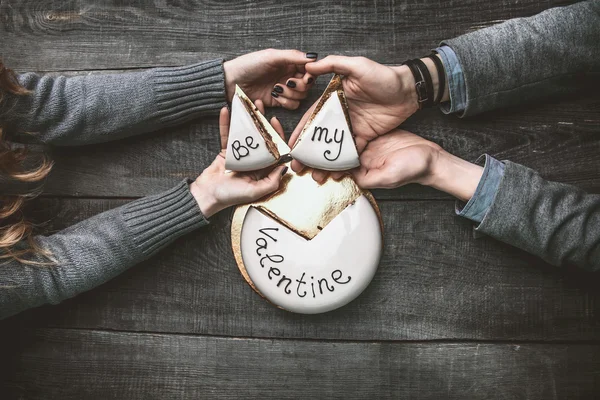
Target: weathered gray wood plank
column 88, row 34
column 561, row 140
column 76, row 364
column 434, row 282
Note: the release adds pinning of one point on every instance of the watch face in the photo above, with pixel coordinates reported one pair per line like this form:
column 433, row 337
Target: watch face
column 326, row 141
column 309, row 248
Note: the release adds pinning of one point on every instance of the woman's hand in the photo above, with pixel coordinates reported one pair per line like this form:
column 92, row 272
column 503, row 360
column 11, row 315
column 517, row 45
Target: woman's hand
column 216, row 189
column 276, row 77
column 401, row 157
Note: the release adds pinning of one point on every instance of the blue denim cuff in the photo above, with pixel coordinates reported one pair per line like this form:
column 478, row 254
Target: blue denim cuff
column 480, row 203
column 456, row 81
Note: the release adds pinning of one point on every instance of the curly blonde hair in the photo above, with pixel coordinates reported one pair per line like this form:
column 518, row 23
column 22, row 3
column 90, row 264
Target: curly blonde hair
column 16, row 232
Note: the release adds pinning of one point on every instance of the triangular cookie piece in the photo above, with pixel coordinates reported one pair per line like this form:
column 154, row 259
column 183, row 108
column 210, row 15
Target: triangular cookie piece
column 326, row 141
column 253, row 143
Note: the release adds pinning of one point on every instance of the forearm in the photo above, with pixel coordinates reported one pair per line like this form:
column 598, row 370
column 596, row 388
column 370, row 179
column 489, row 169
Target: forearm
column 524, row 59
column 98, row 249
column 517, row 61
column 98, row 108
column 557, row 222
column 454, row 175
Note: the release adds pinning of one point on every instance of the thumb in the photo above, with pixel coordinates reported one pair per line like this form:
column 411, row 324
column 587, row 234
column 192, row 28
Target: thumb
column 370, row 178
column 269, row 183
column 278, row 127
column 338, row 64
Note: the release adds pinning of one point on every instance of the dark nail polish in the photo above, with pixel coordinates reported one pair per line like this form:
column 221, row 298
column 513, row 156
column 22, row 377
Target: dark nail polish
column 291, row 84
column 284, row 171
column 312, row 56
column 310, row 80
column 274, row 94
column 278, row 89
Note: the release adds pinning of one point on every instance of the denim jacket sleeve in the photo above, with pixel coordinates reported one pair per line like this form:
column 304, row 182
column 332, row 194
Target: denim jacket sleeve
column 521, row 60
column 478, row 206
column 455, row 79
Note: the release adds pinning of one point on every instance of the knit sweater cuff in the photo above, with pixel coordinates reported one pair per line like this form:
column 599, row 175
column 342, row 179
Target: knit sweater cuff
column 184, row 93
column 157, row 220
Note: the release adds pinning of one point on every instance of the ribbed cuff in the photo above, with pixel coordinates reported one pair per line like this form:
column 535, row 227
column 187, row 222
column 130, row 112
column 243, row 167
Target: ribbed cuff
column 156, row 221
column 184, row 93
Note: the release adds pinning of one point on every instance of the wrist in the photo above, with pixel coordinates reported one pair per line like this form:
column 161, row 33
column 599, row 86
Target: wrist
column 435, row 78
column 408, row 92
column 207, row 202
column 407, row 81
column 453, row 175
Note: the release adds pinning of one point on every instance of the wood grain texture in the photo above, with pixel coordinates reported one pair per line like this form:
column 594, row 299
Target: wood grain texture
column 434, row 282
column 89, row 34
column 560, row 140
column 76, row 364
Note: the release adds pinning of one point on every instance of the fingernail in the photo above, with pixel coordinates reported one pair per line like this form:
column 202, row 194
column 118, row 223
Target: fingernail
column 312, row 56
column 291, row 84
column 310, row 80
column 283, row 172
column 278, row 89
column 274, row 94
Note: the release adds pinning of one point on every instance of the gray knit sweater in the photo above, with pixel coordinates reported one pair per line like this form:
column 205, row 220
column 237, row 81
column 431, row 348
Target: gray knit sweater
column 98, row 108
column 554, row 53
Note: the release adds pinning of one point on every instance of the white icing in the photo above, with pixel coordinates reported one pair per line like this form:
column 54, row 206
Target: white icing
column 349, row 247
column 246, row 148
column 326, row 143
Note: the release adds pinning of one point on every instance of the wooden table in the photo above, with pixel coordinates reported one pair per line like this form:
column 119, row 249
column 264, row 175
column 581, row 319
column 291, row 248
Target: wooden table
column 447, row 316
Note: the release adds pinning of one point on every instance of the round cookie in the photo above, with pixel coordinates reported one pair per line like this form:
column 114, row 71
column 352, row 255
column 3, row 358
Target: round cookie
column 307, row 270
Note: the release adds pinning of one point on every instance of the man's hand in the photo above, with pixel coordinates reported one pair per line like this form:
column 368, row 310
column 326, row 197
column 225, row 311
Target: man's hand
column 396, row 159
column 379, row 98
column 276, row 77
column 401, row 157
